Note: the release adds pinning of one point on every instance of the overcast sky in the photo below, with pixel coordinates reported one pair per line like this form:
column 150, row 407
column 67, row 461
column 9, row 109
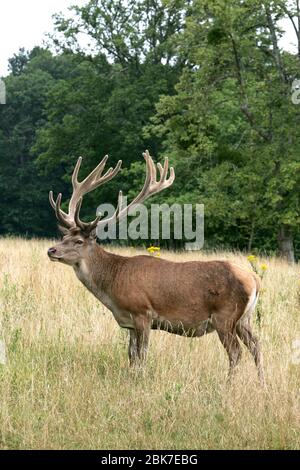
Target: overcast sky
column 24, row 23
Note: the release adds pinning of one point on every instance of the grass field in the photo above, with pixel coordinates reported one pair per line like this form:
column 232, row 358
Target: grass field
column 66, row 382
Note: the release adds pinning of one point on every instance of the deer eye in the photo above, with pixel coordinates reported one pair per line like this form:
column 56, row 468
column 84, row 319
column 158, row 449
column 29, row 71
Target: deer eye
column 79, row 242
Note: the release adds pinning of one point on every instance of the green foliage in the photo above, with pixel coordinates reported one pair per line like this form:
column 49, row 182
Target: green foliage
column 232, row 127
column 23, row 203
column 205, row 83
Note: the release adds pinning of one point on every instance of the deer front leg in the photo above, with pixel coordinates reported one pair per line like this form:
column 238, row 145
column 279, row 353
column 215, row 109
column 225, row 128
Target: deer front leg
column 139, row 341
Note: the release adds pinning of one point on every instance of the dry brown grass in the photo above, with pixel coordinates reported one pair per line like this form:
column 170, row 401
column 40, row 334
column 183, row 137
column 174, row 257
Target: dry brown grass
column 67, row 384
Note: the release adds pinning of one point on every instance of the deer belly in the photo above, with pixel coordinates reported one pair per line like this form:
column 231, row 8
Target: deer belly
column 183, row 329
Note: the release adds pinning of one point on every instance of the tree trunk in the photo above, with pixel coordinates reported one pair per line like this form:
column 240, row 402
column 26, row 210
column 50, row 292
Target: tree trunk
column 285, row 243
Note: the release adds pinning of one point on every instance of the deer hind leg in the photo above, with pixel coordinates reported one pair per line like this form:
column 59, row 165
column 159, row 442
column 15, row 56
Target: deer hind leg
column 244, row 332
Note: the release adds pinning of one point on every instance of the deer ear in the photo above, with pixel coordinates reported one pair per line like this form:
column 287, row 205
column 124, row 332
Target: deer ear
column 63, row 230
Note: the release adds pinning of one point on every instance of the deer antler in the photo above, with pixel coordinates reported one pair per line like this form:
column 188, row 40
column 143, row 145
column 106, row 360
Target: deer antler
column 91, row 182
column 151, row 187
column 95, row 179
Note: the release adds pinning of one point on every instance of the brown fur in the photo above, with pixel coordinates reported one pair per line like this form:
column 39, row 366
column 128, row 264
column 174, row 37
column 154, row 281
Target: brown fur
column 144, row 293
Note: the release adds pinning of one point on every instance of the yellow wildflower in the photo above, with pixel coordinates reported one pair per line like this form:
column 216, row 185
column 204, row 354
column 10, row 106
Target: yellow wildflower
column 264, row 267
column 154, row 250
column 252, row 258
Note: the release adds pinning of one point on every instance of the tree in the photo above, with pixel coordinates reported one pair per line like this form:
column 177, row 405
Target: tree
column 105, row 103
column 232, row 124
column 23, row 187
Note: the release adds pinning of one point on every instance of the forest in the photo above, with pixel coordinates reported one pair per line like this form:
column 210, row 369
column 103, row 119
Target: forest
column 207, row 84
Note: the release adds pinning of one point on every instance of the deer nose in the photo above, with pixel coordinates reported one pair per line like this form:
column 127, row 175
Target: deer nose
column 51, row 251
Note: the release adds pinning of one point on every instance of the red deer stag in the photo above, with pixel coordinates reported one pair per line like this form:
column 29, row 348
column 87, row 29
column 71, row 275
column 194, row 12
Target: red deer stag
column 143, row 293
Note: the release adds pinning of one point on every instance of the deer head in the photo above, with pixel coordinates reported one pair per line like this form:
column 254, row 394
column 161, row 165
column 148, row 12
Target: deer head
column 79, row 236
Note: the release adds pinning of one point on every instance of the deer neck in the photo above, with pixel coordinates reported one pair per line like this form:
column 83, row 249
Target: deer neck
column 98, row 272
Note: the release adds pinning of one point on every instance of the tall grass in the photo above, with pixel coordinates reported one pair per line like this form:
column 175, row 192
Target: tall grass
column 67, row 384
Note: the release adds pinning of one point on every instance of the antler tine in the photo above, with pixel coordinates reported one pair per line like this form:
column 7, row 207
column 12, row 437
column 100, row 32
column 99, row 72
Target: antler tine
column 77, row 220
column 164, row 181
column 60, row 215
column 96, row 173
column 111, row 172
column 150, row 166
column 75, row 173
column 94, row 224
column 51, row 199
column 163, row 170
column 172, row 176
column 150, row 174
column 84, row 225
